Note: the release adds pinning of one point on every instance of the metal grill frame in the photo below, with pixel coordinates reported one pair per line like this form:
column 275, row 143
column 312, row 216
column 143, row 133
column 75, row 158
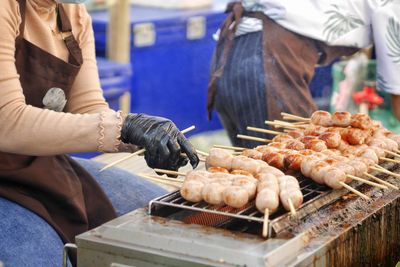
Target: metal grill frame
column 315, row 196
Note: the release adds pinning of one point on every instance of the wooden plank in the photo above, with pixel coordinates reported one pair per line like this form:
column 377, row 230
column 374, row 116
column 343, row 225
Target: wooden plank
column 119, row 32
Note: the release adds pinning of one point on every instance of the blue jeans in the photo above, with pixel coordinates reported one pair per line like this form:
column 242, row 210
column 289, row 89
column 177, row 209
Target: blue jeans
column 27, row 240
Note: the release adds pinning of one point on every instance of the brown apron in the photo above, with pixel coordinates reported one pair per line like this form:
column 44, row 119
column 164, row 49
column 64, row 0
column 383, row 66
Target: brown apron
column 55, row 187
column 289, row 61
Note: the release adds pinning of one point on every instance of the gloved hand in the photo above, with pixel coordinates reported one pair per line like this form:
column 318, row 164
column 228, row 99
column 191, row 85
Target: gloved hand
column 162, row 140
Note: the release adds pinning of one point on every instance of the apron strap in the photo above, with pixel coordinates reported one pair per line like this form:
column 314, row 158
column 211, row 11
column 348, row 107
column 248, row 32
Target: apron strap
column 22, row 8
column 64, row 26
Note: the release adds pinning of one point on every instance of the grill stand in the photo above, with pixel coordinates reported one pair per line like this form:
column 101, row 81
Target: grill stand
column 348, row 232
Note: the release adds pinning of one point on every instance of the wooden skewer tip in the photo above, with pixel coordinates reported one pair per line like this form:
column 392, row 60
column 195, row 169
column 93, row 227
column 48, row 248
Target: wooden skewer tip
column 355, row 191
column 139, row 152
column 291, row 206
column 235, row 148
column 202, row 153
column 367, row 182
column 381, row 181
column 253, row 138
column 265, row 223
column 261, row 130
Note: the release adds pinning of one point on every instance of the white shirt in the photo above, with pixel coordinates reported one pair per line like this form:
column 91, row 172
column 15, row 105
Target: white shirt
column 357, row 23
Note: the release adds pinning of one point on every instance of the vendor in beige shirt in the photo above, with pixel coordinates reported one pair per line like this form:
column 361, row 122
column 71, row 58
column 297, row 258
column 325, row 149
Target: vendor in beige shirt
column 51, row 103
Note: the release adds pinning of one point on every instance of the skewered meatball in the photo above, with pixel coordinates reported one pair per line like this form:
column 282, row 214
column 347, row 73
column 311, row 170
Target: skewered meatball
column 288, row 182
column 394, row 137
column 294, row 195
column 341, row 119
column 245, row 164
column 277, row 145
column 201, row 176
column 267, row 199
column 247, row 184
column 333, row 178
column 241, row 172
column 266, row 149
column 293, row 161
column 356, row 136
column 307, row 165
column 269, row 169
column 322, row 118
column 221, row 178
column 370, row 154
column 213, row 193
column 390, row 144
column 295, row 145
column 346, row 168
column 235, row 196
column 296, row 133
column 316, row 145
column 282, row 138
column 332, row 140
column 275, row 159
column 268, row 180
column 315, row 130
column 217, row 169
column 192, row 191
column 219, row 158
column 318, row 171
column 252, row 153
column 359, row 166
column 378, row 151
column 362, row 121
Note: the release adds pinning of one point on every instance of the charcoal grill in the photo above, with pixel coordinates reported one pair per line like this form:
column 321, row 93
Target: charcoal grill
column 332, row 228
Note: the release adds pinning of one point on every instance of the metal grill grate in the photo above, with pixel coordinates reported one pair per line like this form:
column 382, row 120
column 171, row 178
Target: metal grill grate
column 205, row 214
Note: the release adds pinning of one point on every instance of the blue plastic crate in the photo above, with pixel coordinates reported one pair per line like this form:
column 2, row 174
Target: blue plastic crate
column 115, row 80
column 171, row 75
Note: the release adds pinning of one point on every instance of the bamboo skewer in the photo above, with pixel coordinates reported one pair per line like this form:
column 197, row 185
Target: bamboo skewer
column 252, row 138
column 391, row 153
column 260, row 130
column 291, row 206
column 265, row 223
column 390, row 160
column 282, row 125
column 294, row 117
column 380, row 169
column 235, row 148
column 380, row 181
column 355, row 191
column 366, row 181
column 139, row 152
column 202, row 153
column 299, row 126
column 304, row 123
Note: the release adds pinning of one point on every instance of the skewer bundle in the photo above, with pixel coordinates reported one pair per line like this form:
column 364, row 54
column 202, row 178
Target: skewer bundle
column 337, row 145
column 236, row 180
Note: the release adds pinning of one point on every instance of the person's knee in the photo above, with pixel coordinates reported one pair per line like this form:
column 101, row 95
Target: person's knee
column 26, row 239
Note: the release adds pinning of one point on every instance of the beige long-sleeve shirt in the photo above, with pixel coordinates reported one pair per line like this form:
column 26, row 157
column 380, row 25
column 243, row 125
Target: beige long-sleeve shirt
column 88, row 124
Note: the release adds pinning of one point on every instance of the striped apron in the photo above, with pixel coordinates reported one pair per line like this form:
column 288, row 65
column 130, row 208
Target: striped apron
column 258, row 75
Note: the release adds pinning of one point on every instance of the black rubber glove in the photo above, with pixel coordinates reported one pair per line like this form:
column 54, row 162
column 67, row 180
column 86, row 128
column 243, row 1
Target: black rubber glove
column 162, row 140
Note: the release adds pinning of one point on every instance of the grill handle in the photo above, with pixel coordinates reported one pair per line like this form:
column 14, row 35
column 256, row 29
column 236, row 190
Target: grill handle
column 67, row 248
